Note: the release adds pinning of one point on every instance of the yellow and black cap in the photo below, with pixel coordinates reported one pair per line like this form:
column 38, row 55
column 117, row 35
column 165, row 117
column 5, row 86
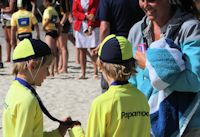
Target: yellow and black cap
column 30, row 49
column 115, row 49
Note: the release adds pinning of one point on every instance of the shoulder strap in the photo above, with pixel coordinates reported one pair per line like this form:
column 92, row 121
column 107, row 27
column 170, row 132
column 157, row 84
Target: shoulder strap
column 143, row 26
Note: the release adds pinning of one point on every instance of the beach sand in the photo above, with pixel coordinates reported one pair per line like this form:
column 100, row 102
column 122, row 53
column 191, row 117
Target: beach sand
column 63, row 95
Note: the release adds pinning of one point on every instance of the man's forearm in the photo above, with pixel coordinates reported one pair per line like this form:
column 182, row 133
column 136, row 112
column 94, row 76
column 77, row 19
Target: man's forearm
column 104, row 30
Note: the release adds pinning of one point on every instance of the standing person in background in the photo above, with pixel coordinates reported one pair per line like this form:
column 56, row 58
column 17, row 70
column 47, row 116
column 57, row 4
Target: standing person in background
column 22, row 22
column 70, row 34
column 86, row 31
column 6, row 11
column 51, row 25
column 166, row 46
column 62, row 7
column 117, row 17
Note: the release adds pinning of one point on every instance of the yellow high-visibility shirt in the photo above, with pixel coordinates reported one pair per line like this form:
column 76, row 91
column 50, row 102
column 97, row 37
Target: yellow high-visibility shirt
column 122, row 111
column 50, row 14
column 22, row 115
column 23, row 20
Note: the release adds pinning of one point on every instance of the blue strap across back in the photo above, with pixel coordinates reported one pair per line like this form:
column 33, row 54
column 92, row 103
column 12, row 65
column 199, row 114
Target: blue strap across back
column 119, row 83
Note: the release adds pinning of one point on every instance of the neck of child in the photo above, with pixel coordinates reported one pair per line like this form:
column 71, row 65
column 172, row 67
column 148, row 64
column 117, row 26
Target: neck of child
column 25, row 77
column 110, row 80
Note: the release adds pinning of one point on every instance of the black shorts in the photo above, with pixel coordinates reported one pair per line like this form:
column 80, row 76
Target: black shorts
column 24, row 35
column 53, row 33
column 66, row 27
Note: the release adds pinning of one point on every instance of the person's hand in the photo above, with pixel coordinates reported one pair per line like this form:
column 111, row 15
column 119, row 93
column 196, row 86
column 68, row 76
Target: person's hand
column 140, row 57
column 89, row 31
column 63, row 128
column 90, row 17
column 95, row 50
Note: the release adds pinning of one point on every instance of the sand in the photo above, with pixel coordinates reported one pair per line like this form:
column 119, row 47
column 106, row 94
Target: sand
column 63, row 95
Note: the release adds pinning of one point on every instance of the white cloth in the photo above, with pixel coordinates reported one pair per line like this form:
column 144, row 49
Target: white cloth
column 6, row 16
column 84, row 41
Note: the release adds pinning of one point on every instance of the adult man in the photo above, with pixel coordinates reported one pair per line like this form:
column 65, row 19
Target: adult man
column 117, row 17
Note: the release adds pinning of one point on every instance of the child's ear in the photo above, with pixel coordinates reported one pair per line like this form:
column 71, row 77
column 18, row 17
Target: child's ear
column 31, row 65
column 100, row 65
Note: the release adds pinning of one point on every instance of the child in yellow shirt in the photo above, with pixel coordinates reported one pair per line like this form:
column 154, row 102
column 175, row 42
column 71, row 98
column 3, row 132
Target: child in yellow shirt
column 123, row 110
column 22, row 22
column 51, row 25
column 22, row 114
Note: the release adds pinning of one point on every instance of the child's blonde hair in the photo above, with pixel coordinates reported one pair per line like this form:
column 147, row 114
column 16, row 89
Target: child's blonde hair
column 22, row 66
column 119, row 72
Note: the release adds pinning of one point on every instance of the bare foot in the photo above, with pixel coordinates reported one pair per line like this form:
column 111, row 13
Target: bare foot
column 82, row 77
column 95, row 76
column 63, row 71
column 51, row 74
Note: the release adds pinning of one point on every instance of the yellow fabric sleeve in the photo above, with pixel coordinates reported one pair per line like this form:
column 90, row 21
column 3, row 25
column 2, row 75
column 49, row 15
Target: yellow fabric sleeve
column 53, row 133
column 76, row 131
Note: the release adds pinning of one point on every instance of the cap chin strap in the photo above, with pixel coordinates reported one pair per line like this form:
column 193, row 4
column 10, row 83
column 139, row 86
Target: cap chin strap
column 33, row 77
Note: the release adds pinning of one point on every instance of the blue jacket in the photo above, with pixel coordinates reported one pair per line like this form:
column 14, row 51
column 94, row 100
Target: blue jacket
column 184, row 30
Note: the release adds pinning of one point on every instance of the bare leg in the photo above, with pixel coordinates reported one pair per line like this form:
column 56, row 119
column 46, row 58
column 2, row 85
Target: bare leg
column 64, row 52
column 83, row 62
column 7, row 33
column 59, row 56
column 94, row 59
column 71, row 38
column 89, row 55
column 51, row 42
column 77, row 56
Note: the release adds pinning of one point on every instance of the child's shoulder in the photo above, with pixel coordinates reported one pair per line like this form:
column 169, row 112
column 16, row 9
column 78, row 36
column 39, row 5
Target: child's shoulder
column 15, row 13
column 21, row 93
column 127, row 91
column 21, row 12
column 103, row 98
column 50, row 10
column 135, row 91
column 115, row 94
